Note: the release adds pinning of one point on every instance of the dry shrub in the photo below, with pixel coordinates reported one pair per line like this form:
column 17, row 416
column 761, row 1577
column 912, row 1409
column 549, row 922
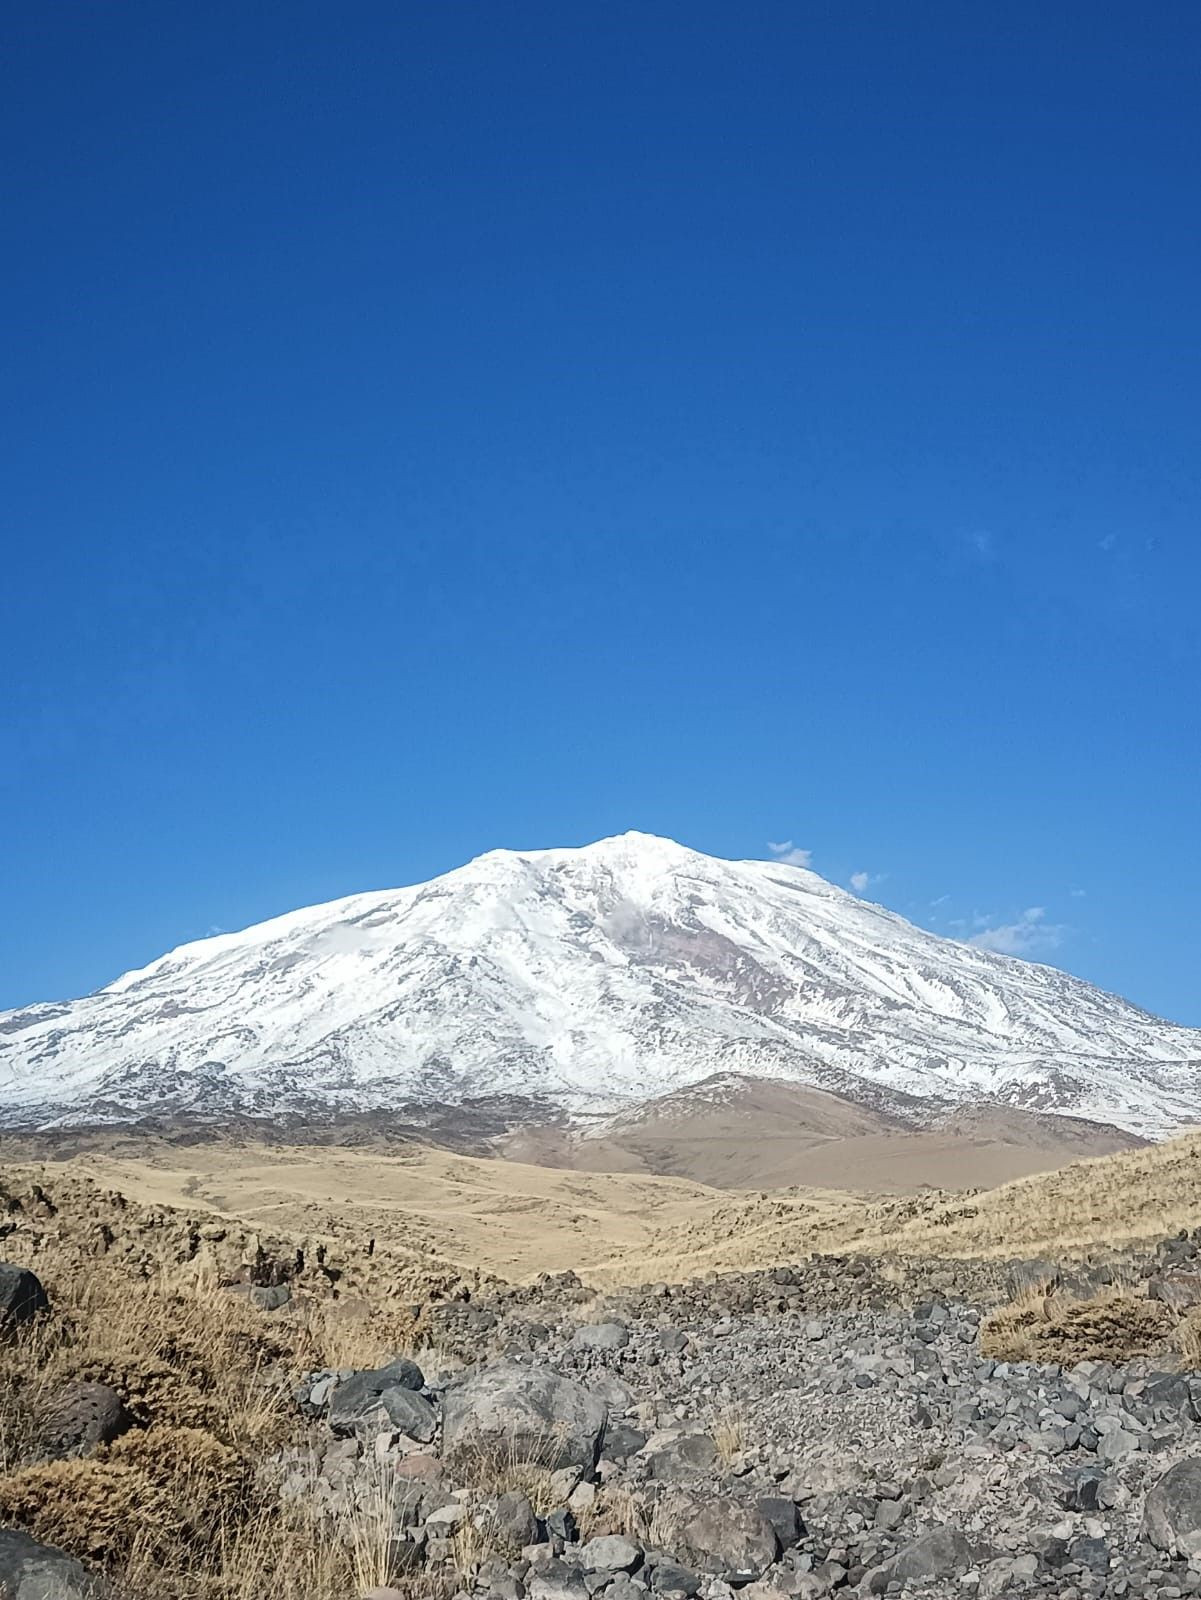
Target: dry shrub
column 174, row 1485
column 496, row 1467
column 92, row 1509
column 729, row 1435
column 352, row 1334
column 619, row 1508
column 1043, row 1328
column 1188, row 1340
column 286, row 1551
column 184, row 1356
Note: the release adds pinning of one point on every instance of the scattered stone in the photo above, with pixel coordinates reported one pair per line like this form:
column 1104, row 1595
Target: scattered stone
column 610, row 1552
column 941, row 1553
column 269, row 1297
column 684, row 1458
column 513, row 1518
column 410, row 1413
column 731, row 1540
column 601, row 1336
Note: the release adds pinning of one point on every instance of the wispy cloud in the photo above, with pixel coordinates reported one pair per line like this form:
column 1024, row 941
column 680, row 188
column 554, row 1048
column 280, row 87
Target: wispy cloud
column 864, row 880
column 983, row 545
column 941, row 901
column 1029, row 934
column 790, row 854
column 1078, row 894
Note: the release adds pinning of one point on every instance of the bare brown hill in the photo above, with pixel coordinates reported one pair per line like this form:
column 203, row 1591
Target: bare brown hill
column 762, row 1134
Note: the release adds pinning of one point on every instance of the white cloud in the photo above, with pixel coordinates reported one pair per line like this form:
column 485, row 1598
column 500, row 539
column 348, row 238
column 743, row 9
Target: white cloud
column 1029, row 934
column 941, row 901
column 791, row 855
column 864, row 880
column 1079, row 894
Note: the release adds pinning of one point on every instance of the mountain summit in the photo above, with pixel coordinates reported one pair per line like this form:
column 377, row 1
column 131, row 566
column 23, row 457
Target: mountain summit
column 591, row 979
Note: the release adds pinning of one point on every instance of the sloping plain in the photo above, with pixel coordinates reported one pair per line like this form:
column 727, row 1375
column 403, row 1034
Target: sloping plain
column 516, row 1220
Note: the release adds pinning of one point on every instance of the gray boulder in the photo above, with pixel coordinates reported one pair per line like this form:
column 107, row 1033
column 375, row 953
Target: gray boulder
column 784, row 1517
column 1036, row 1274
column 523, row 1414
column 1180, row 1291
column 726, row 1538
column 610, row 1552
column 941, row 1553
column 669, row 1577
column 363, row 1392
column 33, row 1571
column 601, row 1336
column 514, row 1520
column 1172, row 1514
column 21, row 1296
column 677, row 1460
column 269, row 1296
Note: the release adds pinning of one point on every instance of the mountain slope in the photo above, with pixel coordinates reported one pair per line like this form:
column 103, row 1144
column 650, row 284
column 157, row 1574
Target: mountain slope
column 592, row 979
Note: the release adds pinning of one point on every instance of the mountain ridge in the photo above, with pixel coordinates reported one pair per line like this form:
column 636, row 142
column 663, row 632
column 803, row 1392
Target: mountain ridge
column 594, row 978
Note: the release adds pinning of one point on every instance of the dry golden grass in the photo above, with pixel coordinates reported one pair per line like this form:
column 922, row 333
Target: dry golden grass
column 621, row 1508
column 1188, row 1339
column 1103, row 1203
column 729, row 1435
column 1036, row 1326
column 398, row 1218
column 497, row 1467
column 173, row 1509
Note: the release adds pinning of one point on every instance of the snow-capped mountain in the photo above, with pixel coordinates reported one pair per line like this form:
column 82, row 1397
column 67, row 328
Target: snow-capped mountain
column 591, row 979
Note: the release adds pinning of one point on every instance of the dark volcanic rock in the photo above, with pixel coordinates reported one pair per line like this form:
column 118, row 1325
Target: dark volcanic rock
column 364, row 1391
column 21, row 1296
column 727, row 1538
column 80, row 1417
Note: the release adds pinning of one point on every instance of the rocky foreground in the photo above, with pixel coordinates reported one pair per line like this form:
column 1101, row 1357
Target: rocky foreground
column 797, row 1432
column 837, row 1426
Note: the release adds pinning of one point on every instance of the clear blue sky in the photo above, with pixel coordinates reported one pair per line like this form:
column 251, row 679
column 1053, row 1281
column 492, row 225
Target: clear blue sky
column 428, row 428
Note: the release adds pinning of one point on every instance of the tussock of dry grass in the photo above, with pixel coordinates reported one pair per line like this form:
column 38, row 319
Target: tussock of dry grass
column 1188, row 1340
column 169, row 1487
column 619, row 1508
column 1042, row 1327
column 729, row 1435
column 498, row 1468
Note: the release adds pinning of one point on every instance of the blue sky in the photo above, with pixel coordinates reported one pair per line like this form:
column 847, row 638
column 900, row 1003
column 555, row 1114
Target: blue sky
column 430, row 428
